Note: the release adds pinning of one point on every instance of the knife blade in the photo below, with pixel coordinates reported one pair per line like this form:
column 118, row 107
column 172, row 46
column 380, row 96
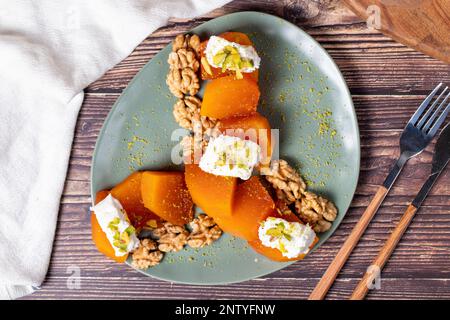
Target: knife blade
column 441, row 158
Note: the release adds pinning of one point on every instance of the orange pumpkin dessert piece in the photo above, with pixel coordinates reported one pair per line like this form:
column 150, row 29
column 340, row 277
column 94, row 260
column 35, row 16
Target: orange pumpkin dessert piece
column 252, row 204
column 213, row 72
column 165, row 193
column 275, row 254
column 225, row 97
column 99, row 237
column 238, row 37
column 128, row 192
column 213, row 194
column 253, row 127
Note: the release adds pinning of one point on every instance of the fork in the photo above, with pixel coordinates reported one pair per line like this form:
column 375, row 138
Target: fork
column 418, row 133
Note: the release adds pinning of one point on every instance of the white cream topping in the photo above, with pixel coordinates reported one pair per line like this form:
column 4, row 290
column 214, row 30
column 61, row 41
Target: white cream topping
column 217, row 44
column 114, row 222
column 230, row 156
column 291, row 238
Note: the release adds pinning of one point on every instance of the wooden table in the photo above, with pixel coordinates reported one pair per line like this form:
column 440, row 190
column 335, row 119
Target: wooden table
column 387, row 81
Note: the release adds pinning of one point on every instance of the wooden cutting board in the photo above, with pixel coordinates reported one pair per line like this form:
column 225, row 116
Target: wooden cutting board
column 421, row 24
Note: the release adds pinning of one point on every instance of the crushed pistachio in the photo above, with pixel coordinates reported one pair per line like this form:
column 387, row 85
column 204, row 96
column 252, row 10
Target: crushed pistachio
column 279, row 231
column 230, row 59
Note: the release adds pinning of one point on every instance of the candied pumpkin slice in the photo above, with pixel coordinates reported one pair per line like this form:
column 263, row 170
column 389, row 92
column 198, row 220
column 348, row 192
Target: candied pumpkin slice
column 253, row 127
column 226, row 97
column 213, row 194
column 238, row 37
column 275, row 254
column 99, row 236
column 128, row 192
column 252, row 204
column 213, row 72
column 165, row 193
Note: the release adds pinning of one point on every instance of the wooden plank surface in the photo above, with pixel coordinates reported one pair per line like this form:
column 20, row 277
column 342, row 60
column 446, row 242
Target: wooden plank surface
column 387, row 81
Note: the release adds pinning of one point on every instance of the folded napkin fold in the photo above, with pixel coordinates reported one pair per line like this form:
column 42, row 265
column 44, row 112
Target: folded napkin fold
column 49, row 52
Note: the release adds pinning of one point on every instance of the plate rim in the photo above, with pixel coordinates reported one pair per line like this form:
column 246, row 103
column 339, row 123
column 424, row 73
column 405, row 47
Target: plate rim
column 354, row 120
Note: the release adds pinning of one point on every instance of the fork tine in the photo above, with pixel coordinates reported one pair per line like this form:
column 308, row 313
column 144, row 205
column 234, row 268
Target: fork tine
column 423, row 105
column 439, row 121
column 435, row 114
column 430, row 110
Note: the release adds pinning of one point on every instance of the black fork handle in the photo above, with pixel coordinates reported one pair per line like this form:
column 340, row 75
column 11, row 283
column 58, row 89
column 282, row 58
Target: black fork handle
column 395, row 171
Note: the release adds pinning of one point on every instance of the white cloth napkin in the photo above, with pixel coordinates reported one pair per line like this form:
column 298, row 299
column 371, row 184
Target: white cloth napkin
column 49, row 51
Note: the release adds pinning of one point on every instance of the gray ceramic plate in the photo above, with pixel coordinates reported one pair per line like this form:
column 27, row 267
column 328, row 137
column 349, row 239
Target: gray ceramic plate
column 303, row 94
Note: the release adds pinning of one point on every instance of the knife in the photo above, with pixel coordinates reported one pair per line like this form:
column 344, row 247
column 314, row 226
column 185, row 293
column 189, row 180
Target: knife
column 440, row 160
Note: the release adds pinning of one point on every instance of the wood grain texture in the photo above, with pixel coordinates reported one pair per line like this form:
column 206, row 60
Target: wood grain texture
column 420, row 24
column 387, row 81
column 383, row 256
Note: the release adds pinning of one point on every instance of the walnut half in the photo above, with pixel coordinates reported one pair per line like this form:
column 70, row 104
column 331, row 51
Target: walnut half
column 182, row 78
column 181, row 82
column 204, row 231
column 146, row 255
column 316, row 210
column 285, row 180
column 171, row 238
column 186, row 41
column 183, row 58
